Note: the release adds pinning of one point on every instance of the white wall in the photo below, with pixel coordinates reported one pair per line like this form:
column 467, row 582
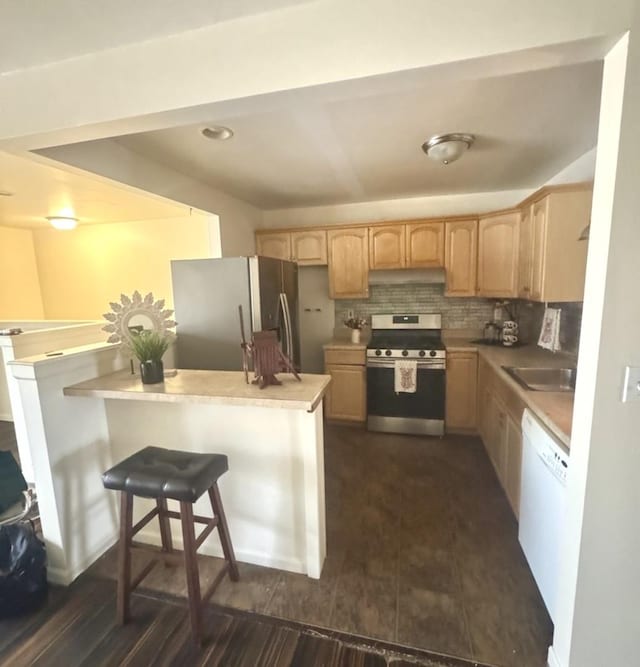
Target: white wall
column 283, row 50
column 395, row 209
column 236, row 220
column 598, row 622
column 581, row 169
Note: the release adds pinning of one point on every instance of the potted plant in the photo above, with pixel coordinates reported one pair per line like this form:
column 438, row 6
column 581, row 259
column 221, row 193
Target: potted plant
column 149, row 346
column 356, row 324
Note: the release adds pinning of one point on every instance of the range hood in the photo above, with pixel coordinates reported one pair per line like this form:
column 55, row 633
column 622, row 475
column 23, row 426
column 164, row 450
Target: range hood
column 407, row 277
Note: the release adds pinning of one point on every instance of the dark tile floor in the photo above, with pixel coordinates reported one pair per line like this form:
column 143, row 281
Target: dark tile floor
column 422, row 550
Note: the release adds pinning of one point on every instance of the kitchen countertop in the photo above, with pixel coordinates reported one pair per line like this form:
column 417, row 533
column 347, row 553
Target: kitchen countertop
column 217, row 387
column 553, row 409
column 344, row 345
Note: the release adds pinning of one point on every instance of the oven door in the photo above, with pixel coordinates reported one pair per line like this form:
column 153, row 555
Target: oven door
column 421, row 412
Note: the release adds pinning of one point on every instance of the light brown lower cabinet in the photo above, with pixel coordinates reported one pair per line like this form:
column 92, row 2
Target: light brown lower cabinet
column 499, row 415
column 346, row 398
column 461, row 392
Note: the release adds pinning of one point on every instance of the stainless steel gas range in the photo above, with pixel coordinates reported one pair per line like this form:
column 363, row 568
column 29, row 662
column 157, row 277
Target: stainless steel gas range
column 414, row 338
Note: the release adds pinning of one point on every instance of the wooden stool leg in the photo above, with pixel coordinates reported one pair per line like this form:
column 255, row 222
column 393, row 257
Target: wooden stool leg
column 165, row 525
column 124, row 557
column 223, row 530
column 191, row 567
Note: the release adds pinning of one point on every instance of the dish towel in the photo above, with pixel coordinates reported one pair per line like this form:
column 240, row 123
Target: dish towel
column 405, row 376
column 550, row 331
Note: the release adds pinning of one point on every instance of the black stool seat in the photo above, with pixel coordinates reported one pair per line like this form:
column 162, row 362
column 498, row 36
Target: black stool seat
column 155, row 472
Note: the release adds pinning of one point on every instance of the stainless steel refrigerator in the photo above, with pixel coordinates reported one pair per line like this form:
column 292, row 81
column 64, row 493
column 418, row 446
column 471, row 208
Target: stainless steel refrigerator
column 206, row 296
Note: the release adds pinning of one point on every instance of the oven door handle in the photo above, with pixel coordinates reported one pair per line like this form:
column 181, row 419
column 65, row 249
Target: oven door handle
column 422, row 365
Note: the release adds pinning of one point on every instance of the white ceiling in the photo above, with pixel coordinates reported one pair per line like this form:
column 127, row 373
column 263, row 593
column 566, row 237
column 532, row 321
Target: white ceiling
column 367, row 147
column 36, row 32
column 40, row 190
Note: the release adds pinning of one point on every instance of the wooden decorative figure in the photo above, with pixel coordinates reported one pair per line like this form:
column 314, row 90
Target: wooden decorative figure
column 268, row 357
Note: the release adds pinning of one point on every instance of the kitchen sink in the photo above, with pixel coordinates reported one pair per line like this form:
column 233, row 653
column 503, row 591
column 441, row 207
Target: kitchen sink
column 544, row 379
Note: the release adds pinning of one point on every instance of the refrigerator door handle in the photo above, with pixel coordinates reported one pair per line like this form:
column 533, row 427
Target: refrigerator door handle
column 287, row 324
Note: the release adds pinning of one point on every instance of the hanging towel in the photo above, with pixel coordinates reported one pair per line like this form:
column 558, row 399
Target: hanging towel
column 406, row 376
column 550, row 331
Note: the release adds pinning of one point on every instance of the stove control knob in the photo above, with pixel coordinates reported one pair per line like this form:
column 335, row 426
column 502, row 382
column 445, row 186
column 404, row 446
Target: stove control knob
column 378, row 353
column 405, row 353
column 432, row 353
column 388, row 352
column 422, row 353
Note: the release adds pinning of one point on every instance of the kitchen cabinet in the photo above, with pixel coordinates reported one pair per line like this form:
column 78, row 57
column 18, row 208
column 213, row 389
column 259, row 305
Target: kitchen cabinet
column 461, row 392
column 309, row 248
column 424, row 244
column 346, row 398
column 348, row 257
column 276, row 245
column 499, row 416
column 387, row 247
column 498, row 250
column 460, row 259
column 558, row 258
column 524, row 253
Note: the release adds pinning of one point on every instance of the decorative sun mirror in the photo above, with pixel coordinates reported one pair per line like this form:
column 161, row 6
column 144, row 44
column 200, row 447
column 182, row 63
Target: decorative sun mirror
column 134, row 314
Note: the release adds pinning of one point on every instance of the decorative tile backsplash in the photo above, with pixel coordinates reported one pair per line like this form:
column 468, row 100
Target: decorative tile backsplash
column 418, row 298
column 460, row 313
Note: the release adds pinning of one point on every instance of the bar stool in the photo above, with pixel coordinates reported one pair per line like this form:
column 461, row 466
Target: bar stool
column 159, row 473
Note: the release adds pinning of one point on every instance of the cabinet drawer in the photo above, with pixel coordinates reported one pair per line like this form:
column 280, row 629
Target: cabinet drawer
column 344, row 357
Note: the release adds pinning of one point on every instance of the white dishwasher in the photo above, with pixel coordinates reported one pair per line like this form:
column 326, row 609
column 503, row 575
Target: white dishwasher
column 542, row 505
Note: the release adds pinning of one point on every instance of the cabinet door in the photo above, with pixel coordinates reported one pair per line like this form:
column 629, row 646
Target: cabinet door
column 425, row 244
column 498, row 249
column 524, row 253
column 460, row 258
column 309, row 248
column 347, row 393
column 348, row 255
column 538, row 243
column 462, row 374
column 274, row 245
column 513, row 441
column 387, row 247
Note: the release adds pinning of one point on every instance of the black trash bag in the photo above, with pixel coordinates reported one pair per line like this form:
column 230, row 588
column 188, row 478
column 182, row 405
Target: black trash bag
column 23, row 570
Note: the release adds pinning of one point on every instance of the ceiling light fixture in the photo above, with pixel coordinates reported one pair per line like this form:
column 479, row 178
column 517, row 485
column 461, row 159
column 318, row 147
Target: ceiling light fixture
column 218, row 132
column 62, row 222
column 447, row 148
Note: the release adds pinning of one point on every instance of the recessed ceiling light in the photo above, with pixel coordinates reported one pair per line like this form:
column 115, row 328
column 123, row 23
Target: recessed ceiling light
column 62, row 222
column 218, row 132
column 447, row 148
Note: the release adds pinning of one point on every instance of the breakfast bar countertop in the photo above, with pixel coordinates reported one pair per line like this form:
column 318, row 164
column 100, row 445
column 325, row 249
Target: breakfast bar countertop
column 201, row 386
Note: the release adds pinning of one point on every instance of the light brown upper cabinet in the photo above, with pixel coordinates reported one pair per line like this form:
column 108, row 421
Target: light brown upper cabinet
column 498, row 250
column 558, row 258
column 387, row 247
column 425, row 244
column 276, row 245
column 460, row 257
column 348, row 255
column 524, row 253
column 309, row 248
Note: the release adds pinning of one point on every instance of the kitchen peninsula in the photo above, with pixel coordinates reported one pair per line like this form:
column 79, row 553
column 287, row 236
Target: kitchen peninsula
column 273, row 494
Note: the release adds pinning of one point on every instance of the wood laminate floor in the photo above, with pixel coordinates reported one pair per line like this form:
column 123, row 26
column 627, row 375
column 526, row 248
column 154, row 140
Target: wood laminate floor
column 77, row 629
column 422, row 552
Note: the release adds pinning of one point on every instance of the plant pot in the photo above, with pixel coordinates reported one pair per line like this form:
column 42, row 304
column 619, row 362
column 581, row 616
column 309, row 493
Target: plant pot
column 355, row 336
column 152, row 372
